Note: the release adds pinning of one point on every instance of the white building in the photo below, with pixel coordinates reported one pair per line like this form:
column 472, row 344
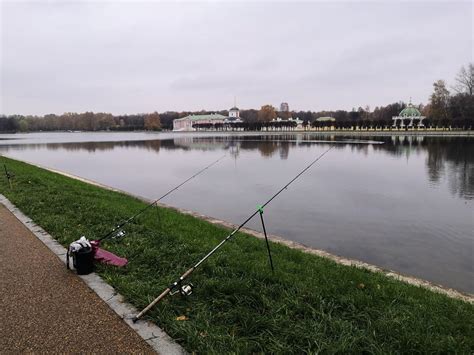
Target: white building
column 187, row 123
column 191, row 122
column 234, row 112
column 299, row 123
column 325, row 119
column 234, row 116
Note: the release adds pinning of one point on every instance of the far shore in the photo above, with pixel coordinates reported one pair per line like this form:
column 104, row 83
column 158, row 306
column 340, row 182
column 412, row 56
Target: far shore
column 358, row 132
column 463, row 133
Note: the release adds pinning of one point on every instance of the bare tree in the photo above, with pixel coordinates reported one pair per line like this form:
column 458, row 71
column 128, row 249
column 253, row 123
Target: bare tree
column 465, row 80
column 439, row 100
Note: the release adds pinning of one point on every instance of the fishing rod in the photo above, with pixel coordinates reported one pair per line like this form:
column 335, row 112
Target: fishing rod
column 118, row 227
column 186, row 290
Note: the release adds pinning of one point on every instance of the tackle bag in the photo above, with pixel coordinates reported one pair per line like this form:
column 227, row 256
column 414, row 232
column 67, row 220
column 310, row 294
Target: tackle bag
column 82, row 256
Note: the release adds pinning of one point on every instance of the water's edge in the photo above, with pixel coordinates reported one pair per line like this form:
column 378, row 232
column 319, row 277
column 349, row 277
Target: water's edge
column 291, row 244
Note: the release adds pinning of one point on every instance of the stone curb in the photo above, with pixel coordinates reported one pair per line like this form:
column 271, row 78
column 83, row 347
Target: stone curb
column 152, row 334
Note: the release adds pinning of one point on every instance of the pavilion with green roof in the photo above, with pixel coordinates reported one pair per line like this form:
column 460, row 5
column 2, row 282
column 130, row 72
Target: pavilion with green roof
column 409, row 113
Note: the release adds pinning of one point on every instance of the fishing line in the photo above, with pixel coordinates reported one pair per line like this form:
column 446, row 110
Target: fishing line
column 119, row 226
column 187, row 289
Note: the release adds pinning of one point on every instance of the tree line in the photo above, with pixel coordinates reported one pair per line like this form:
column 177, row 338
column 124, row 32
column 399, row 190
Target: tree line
column 445, row 109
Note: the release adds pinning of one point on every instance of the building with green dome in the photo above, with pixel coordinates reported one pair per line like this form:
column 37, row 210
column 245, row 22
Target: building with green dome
column 409, row 113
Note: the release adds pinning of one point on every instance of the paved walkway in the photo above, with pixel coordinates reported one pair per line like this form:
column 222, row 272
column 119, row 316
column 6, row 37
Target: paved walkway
column 45, row 308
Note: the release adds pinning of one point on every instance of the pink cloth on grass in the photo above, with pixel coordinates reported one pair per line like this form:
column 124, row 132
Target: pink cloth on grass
column 106, row 257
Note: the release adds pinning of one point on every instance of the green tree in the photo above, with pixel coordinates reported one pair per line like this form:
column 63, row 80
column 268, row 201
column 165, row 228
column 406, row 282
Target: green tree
column 23, row 125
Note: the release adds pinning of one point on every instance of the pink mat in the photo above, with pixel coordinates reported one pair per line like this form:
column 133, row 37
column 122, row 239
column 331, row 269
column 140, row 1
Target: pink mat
column 106, row 257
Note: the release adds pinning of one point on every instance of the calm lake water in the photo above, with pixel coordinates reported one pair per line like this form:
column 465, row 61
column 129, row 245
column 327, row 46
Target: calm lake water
column 403, row 203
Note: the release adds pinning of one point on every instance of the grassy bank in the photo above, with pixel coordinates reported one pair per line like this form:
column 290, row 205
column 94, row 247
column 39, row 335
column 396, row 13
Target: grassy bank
column 310, row 304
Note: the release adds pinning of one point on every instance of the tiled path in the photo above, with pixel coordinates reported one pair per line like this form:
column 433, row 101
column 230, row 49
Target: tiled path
column 46, row 308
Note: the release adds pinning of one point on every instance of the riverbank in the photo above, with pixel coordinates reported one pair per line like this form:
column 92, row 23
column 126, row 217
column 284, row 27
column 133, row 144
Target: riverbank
column 310, row 304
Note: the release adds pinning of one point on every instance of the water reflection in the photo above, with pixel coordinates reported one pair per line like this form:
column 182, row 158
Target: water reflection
column 401, row 202
column 450, row 157
column 446, row 157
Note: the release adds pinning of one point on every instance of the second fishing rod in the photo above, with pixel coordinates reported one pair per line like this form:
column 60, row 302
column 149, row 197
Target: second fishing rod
column 185, row 290
column 117, row 232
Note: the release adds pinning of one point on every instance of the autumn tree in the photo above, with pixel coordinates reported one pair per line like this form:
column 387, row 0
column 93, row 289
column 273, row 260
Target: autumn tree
column 267, row 113
column 152, row 122
column 439, row 100
column 465, row 80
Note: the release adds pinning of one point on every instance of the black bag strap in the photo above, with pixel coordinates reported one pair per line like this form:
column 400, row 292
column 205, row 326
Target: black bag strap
column 67, row 260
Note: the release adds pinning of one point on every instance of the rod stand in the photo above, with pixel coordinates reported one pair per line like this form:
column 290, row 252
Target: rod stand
column 260, row 211
column 9, row 176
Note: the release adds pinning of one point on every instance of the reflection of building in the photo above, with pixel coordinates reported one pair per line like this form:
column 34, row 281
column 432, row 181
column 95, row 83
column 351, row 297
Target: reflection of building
column 410, row 113
column 187, row 123
column 284, row 107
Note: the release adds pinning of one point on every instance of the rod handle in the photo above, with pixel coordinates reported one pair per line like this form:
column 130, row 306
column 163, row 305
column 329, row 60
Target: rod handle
column 187, row 273
column 155, row 301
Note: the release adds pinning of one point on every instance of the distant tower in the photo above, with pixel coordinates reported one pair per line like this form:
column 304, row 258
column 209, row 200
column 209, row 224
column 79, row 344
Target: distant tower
column 234, row 112
column 284, row 107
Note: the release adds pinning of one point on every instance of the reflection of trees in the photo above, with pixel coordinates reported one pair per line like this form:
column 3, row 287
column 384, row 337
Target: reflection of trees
column 453, row 157
column 88, row 146
column 267, row 148
column 284, row 150
column 435, row 162
column 450, row 157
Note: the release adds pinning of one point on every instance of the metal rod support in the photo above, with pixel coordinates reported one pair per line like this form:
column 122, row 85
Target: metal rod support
column 7, row 174
column 266, row 240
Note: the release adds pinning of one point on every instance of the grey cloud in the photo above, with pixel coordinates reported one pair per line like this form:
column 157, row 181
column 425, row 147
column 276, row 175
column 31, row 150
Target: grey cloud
column 125, row 57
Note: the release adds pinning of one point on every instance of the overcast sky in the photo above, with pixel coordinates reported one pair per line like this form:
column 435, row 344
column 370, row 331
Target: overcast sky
column 130, row 57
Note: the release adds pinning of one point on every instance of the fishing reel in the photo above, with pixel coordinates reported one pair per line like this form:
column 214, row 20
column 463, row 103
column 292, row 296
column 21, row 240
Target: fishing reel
column 183, row 290
column 119, row 234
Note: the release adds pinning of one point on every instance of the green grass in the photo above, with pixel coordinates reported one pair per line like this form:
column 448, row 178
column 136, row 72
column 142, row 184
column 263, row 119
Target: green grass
column 309, row 305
